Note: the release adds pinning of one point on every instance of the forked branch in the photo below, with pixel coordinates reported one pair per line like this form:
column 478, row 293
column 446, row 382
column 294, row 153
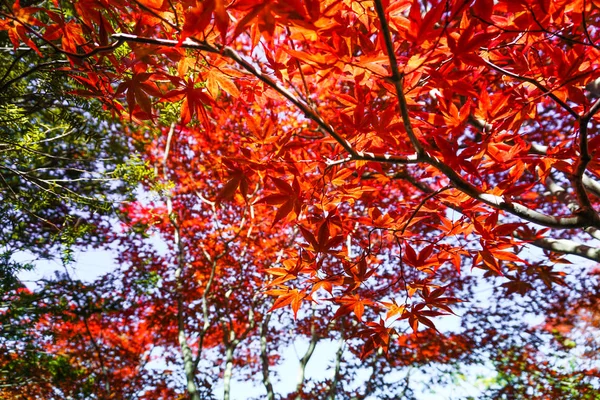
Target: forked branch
column 497, row 202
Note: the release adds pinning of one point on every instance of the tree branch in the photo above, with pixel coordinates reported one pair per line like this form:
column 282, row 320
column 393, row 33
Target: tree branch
column 562, row 246
column 188, row 358
column 264, row 357
column 337, row 365
column 314, row 339
column 460, row 183
column 396, row 78
column 308, row 111
column 231, row 344
column 566, row 246
column 494, row 201
column 535, row 83
column 563, row 196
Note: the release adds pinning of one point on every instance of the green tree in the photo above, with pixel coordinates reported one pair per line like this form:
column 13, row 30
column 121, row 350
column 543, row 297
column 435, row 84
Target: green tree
column 62, row 156
column 64, row 168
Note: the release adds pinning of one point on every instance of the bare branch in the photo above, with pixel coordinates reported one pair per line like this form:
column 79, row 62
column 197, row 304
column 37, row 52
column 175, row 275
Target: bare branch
column 566, row 246
column 314, row 339
column 591, row 185
column 337, row 365
column 563, row 196
column 231, row 344
column 264, row 357
column 188, row 358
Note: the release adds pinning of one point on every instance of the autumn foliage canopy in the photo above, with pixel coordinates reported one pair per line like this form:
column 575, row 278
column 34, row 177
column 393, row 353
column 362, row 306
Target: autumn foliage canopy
column 340, row 172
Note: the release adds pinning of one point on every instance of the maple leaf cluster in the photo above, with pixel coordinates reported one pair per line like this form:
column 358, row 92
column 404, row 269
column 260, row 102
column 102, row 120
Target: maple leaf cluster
column 350, row 160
